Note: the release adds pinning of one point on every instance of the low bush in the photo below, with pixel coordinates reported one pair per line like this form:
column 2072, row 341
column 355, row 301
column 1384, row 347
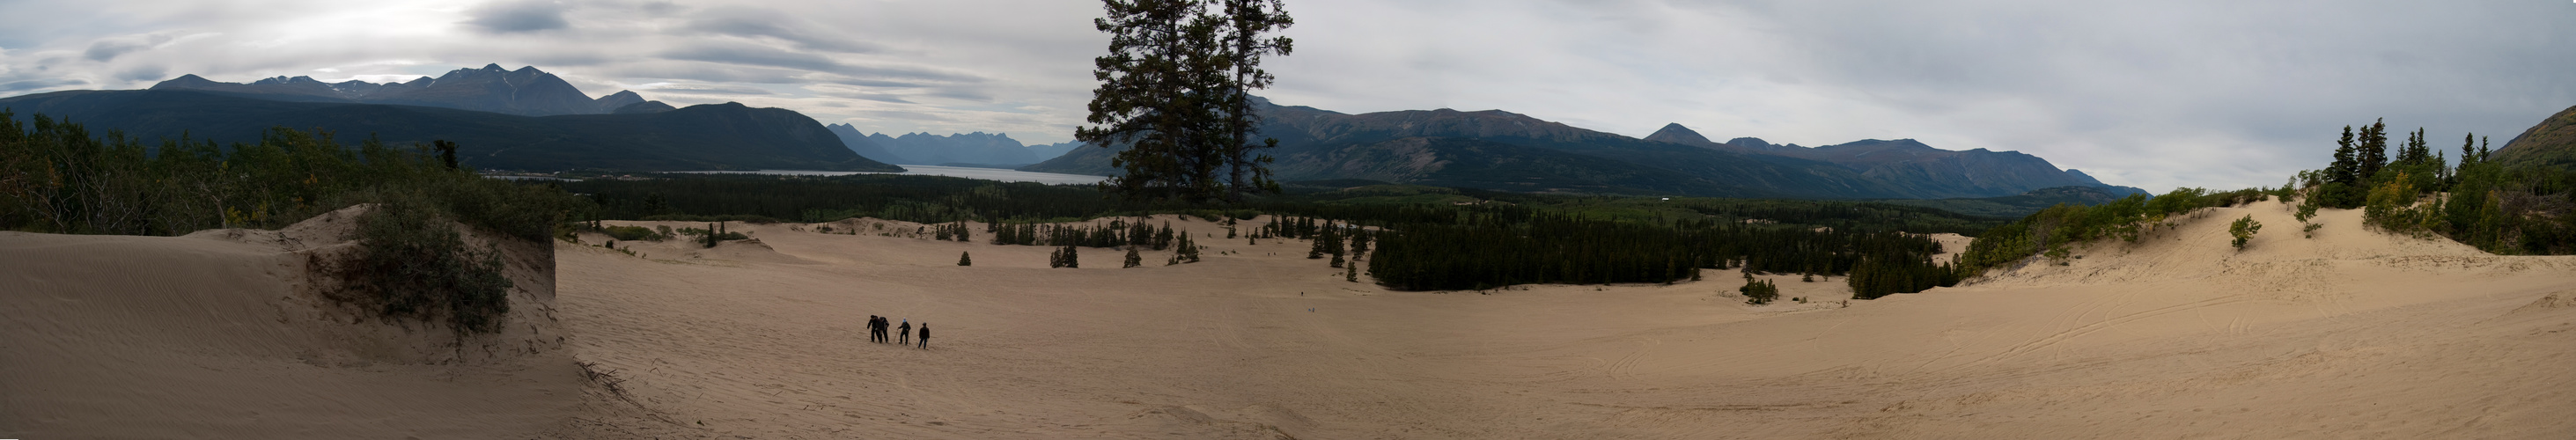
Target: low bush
column 2243, row 230
column 413, row 263
column 632, row 233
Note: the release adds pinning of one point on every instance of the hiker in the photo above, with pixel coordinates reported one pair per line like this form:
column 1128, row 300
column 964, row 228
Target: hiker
column 903, row 334
column 925, row 336
column 876, row 329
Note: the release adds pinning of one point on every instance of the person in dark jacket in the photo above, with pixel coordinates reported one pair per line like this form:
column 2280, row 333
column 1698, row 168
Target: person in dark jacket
column 903, row 333
column 925, row 336
column 872, row 329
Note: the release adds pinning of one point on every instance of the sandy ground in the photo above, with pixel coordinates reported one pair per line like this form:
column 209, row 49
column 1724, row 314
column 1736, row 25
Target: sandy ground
column 2352, row 334
column 224, row 334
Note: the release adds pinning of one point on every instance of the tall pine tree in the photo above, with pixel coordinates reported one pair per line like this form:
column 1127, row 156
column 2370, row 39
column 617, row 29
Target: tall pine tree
column 1175, row 88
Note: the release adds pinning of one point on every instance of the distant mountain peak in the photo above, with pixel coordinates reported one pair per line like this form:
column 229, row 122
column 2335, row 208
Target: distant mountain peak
column 1754, row 143
column 186, row 81
column 1676, row 133
column 286, row 80
column 496, row 67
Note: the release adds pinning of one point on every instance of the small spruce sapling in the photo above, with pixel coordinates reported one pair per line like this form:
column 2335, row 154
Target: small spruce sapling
column 1189, row 251
column 1134, row 259
column 965, row 260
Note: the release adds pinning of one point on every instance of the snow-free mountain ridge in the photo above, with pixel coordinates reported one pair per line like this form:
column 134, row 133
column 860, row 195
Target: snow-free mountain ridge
column 1495, row 149
column 977, row 149
column 524, row 92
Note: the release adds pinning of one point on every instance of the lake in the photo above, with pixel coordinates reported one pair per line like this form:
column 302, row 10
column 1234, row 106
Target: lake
column 932, row 170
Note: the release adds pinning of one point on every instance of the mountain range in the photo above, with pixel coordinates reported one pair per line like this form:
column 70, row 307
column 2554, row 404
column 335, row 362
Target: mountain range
column 524, row 92
column 528, row 119
column 969, row 149
column 1500, row 150
column 1971, row 173
column 492, row 114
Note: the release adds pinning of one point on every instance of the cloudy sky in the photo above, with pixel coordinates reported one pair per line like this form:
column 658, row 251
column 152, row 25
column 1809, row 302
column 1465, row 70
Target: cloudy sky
column 2155, row 94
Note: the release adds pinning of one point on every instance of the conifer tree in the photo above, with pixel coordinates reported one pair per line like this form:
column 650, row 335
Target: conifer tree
column 1189, row 252
column 2373, row 151
column 2468, row 150
column 1359, row 243
column 1134, row 259
column 446, row 152
column 1064, row 257
column 1352, row 273
column 965, row 260
column 2345, row 167
column 1174, row 88
column 1332, row 241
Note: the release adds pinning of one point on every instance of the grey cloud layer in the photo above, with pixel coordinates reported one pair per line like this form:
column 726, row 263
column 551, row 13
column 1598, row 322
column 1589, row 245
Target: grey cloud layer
column 2154, row 94
column 518, row 16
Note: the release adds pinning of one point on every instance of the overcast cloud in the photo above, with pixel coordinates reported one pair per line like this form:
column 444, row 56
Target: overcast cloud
column 2151, row 94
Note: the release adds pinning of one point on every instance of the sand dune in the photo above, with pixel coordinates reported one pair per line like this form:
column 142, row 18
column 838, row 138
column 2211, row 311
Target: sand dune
column 2352, row 334
column 224, row 334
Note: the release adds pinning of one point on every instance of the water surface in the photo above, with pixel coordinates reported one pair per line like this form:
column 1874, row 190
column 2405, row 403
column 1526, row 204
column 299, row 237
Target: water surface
column 933, row 170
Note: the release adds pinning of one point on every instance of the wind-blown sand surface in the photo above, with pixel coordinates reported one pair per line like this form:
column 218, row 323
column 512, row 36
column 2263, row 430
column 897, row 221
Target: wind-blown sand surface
column 225, row 334
column 2352, row 334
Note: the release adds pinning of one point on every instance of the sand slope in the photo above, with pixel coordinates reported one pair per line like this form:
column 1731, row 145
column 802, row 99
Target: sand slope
column 2353, row 334
column 225, row 334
